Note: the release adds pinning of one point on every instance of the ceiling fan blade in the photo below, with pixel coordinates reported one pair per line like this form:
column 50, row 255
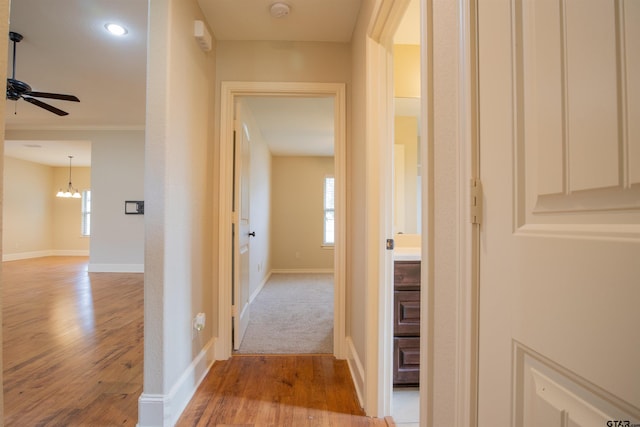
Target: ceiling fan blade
column 54, row 96
column 47, row 107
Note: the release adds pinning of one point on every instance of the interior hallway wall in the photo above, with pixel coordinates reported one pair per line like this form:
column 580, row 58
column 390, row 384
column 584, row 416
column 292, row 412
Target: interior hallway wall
column 358, row 288
column 179, row 216
column 273, row 61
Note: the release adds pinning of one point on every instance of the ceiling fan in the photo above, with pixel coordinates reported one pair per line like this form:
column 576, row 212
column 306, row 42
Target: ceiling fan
column 17, row 89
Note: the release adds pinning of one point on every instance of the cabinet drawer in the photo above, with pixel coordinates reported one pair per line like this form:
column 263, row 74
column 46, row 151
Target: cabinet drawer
column 406, row 361
column 406, row 275
column 406, row 313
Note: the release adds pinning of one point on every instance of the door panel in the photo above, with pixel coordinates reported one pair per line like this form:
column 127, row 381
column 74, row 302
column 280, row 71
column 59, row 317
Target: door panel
column 241, row 292
column 560, row 244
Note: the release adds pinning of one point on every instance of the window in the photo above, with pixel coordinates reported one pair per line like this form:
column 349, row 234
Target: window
column 86, row 213
column 329, row 211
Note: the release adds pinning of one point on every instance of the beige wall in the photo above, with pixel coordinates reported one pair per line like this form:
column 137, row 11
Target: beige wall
column 179, row 215
column 357, row 288
column 36, row 223
column 283, row 61
column 28, row 208
column 406, row 71
column 117, row 175
column 406, row 134
column 297, row 213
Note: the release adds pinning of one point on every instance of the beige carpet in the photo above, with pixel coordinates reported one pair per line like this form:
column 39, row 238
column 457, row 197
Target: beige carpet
column 293, row 314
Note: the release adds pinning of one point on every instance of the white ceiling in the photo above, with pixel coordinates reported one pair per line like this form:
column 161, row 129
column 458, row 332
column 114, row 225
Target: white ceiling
column 309, row 20
column 295, row 126
column 67, row 50
column 50, row 152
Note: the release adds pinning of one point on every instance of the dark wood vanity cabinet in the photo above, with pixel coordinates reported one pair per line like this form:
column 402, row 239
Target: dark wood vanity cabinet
column 406, row 328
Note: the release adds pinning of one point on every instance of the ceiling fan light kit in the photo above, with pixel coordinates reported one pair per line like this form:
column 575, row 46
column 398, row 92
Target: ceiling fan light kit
column 17, row 89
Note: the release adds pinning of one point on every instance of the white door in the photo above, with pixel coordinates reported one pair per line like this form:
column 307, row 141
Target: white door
column 559, row 95
column 241, row 240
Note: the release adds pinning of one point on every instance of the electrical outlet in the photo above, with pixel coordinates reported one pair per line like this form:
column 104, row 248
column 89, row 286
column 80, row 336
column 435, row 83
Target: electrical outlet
column 199, row 322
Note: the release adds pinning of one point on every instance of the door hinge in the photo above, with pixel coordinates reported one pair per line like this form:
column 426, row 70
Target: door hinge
column 234, row 311
column 476, row 201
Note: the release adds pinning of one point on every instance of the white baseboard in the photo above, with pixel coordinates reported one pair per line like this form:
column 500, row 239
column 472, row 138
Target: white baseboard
column 116, row 268
column 257, row 291
column 26, row 255
column 93, row 268
column 164, row 410
column 41, row 254
column 84, row 252
column 152, row 411
column 302, row 271
column 356, row 369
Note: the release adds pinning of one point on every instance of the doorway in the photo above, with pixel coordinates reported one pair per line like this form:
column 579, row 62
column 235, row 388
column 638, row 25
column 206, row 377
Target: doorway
column 230, row 92
column 407, row 217
column 283, row 277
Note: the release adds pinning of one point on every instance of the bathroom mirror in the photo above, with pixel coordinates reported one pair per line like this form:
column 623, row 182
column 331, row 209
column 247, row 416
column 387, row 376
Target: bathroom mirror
column 407, row 168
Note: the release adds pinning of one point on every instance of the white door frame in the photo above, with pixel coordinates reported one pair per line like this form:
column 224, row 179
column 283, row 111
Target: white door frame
column 463, row 404
column 468, row 303
column 380, row 117
column 229, row 92
column 454, row 27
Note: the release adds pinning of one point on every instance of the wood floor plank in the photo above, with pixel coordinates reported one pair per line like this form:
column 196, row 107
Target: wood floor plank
column 73, row 355
column 277, row 390
column 72, row 344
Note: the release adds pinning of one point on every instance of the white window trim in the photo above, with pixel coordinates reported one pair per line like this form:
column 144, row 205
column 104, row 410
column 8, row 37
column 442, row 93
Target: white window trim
column 325, row 243
column 85, row 214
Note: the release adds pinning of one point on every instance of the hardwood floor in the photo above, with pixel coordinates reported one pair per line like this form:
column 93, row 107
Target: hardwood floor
column 73, row 345
column 73, row 353
column 275, row 390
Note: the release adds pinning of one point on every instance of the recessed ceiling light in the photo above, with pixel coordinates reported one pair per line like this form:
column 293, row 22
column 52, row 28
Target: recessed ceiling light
column 115, row 29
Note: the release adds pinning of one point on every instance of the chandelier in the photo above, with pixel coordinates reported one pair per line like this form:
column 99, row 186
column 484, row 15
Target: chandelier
column 70, row 192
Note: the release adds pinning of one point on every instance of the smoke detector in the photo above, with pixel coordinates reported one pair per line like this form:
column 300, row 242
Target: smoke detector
column 280, row 10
